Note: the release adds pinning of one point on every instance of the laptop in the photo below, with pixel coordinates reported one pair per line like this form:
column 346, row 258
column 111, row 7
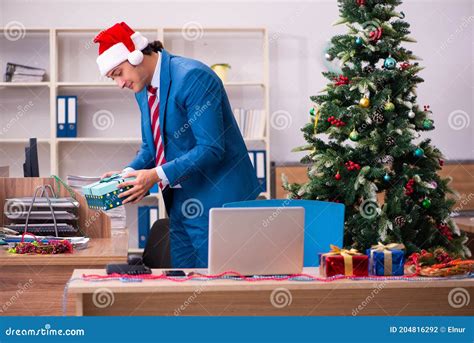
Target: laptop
column 256, row 241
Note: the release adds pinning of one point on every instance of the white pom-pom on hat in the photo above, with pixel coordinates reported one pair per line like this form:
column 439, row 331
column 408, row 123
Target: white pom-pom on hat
column 135, row 57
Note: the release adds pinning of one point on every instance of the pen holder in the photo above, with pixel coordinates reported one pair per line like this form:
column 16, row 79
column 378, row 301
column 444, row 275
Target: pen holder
column 104, row 194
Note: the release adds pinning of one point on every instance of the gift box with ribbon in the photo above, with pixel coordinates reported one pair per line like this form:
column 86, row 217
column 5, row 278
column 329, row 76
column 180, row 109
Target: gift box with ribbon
column 348, row 262
column 386, row 260
column 103, row 194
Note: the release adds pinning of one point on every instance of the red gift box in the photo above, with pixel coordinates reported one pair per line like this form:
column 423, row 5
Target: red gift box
column 345, row 262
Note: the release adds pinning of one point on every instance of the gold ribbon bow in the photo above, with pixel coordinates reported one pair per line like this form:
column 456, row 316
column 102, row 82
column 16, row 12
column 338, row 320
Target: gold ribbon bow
column 387, row 255
column 346, row 254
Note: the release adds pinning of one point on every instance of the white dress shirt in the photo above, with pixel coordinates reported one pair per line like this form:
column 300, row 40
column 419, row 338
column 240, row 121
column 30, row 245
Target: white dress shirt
column 155, row 82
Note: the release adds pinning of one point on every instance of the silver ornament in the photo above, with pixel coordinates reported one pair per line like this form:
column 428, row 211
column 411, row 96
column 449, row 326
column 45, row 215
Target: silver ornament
column 411, row 114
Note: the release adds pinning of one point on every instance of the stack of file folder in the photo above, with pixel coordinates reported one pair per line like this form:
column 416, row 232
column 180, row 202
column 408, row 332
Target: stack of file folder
column 43, row 216
column 20, row 73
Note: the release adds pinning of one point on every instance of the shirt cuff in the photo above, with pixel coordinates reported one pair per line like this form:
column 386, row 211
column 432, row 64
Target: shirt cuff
column 164, row 179
column 127, row 170
column 161, row 174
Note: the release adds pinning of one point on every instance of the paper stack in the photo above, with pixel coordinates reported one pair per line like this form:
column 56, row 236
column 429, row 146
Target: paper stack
column 251, row 122
column 21, row 73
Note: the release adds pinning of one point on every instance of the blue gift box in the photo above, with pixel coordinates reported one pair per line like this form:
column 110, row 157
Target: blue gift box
column 104, row 194
column 377, row 262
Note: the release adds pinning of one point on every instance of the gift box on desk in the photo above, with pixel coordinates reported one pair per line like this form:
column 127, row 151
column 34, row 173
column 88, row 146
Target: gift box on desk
column 103, row 194
column 386, row 260
column 343, row 262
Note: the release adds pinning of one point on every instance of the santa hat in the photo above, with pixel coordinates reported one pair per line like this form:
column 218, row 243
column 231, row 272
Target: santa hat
column 117, row 44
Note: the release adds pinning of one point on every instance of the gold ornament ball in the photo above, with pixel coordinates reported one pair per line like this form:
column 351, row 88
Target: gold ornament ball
column 354, row 136
column 364, row 102
column 389, row 106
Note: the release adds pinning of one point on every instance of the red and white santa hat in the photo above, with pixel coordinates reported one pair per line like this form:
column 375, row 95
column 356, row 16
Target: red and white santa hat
column 117, row 44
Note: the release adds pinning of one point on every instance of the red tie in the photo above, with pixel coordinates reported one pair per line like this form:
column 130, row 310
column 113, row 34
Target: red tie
column 154, row 105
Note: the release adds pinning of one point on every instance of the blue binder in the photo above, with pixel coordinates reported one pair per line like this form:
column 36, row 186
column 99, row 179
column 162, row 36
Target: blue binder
column 259, row 161
column 61, row 116
column 72, row 116
column 66, row 116
column 147, row 215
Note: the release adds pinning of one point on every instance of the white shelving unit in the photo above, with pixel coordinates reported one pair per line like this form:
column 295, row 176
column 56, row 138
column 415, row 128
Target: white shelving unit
column 68, row 55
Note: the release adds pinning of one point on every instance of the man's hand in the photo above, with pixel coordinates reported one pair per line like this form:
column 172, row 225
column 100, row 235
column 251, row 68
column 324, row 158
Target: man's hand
column 110, row 173
column 144, row 180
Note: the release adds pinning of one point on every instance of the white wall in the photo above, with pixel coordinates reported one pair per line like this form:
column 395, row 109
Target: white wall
column 299, row 31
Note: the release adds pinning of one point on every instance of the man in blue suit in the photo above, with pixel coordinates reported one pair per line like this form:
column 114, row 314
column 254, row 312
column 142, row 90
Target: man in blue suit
column 191, row 144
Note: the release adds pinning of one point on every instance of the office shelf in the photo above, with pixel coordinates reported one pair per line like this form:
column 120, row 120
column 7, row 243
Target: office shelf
column 69, row 55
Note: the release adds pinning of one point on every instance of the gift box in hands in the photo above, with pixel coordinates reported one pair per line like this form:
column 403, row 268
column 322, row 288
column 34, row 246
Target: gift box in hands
column 104, row 194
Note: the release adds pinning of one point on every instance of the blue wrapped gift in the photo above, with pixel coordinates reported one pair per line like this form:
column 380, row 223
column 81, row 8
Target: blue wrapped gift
column 386, row 260
column 103, row 194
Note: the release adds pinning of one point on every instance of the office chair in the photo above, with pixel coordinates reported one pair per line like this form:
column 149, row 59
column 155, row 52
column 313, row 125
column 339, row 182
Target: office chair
column 157, row 249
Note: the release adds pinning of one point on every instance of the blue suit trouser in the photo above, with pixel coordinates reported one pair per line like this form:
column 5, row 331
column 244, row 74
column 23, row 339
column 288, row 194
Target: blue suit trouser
column 189, row 231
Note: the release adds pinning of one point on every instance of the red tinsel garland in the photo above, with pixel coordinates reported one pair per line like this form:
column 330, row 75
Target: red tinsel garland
column 37, row 247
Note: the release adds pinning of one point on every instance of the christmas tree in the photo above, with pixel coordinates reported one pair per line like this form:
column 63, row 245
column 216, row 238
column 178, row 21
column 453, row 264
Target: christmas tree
column 362, row 138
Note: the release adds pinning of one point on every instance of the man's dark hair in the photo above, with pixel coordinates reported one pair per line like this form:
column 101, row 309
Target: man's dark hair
column 154, row 46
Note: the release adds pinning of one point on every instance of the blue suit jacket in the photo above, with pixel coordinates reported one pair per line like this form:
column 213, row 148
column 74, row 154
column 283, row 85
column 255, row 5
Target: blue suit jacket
column 204, row 149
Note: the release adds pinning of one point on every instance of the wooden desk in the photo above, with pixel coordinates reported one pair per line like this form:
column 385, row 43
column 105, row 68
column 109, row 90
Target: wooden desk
column 230, row 298
column 33, row 285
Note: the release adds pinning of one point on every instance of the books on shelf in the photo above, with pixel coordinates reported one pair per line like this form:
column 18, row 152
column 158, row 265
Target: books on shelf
column 66, row 116
column 117, row 215
column 251, row 122
column 21, row 73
